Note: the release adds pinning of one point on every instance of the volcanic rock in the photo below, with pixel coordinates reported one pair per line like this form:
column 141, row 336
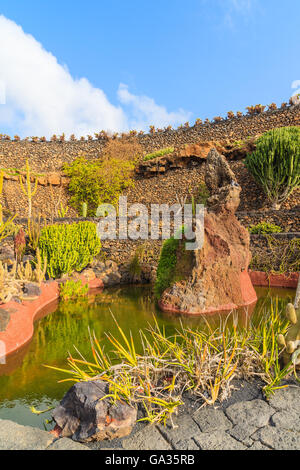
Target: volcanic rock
column 217, row 277
column 84, row 415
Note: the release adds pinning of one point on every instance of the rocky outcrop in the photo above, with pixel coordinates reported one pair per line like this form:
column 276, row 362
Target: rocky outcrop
column 218, row 278
column 85, row 415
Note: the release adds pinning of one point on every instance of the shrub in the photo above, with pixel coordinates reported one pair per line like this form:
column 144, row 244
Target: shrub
column 166, row 266
column 158, row 153
column 264, row 228
column 73, row 289
column 275, row 164
column 123, row 150
column 96, row 182
column 280, row 256
column 68, row 248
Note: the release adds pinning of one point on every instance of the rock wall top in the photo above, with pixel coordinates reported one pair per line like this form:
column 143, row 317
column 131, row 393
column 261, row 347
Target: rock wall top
column 49, row 156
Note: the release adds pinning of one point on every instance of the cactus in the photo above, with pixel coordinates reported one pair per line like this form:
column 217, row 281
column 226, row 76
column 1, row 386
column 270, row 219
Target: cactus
column 68, row 248
column 27, row 189
column 291, row 341
column 84, row 209
column 275, row 164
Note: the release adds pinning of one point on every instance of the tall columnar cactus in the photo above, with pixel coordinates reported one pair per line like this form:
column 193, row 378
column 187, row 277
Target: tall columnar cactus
column 275, row 164
column 27, row 188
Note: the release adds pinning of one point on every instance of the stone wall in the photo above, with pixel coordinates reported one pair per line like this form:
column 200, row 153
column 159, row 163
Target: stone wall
column 48, row 157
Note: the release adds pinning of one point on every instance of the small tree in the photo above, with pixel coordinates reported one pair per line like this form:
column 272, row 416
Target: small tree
column 275, row 164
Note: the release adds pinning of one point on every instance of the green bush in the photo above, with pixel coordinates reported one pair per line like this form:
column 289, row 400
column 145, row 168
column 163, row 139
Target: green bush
column 264, row 227
column 68, row 248
column 275, row 164
column 158, row 153
column 73, row 289
column 166, row 266
column 96, row 182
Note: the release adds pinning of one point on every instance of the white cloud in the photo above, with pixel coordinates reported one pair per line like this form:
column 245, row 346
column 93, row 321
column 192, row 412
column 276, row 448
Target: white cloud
column 43, row 98
column 143, row 106
column 236, row 7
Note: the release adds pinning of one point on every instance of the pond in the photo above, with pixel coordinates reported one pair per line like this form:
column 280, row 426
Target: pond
column 25, row 382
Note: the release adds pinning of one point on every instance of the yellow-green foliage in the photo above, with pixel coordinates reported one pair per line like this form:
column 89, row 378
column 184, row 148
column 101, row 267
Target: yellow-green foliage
column 73, row 289
column 7, row 228
column 158, row 153
column 264, row 227
column 155, row 369
column 96, row 182
column 69, row 248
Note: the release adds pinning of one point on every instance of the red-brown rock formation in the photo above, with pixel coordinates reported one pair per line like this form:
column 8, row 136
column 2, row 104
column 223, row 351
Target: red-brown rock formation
column 219, row 278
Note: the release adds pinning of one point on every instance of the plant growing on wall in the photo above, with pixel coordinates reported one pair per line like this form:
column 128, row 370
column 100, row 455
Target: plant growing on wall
column 264, row 228
column 272, row 106
column 158, row 153
column 275, row 164
column 230, row 115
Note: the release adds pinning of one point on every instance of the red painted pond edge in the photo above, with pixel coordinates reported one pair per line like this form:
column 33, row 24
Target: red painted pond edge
column 23, row 315
column 20, row 328
column 260, row 278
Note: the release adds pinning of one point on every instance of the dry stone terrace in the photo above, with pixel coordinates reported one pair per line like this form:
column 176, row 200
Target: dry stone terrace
column 245, row 421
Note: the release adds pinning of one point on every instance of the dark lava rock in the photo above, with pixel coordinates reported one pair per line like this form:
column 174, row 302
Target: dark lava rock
column 85, row 416
column 31, row 291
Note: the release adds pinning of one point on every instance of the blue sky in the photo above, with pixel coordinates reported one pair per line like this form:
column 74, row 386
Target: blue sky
column 160, row 62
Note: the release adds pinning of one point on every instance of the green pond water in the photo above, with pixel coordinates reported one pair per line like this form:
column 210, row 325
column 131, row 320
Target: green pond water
column 25, row 382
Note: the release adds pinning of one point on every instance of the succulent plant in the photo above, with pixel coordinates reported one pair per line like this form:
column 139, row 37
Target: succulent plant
column 291, row 341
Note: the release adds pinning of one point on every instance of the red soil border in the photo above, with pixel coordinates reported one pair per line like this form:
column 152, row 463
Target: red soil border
column 21, row 324
column 260, row 278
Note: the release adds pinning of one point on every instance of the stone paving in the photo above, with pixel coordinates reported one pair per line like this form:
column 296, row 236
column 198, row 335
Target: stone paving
column 246, row 421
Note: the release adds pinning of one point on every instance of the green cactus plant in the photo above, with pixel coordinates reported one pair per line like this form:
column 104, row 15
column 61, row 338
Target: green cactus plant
column 275, row 164
column 27, row 188
column 68, row 248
